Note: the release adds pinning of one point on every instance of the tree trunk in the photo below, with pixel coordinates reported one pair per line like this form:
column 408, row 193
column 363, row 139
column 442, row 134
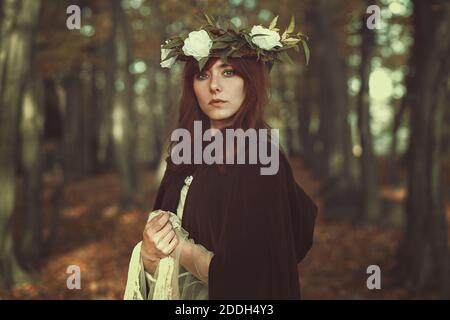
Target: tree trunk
column 105, row 92
column 306, row 93
column 123, row 115
column 18, row 23
column 162, row 100
column 368, row 162
column 72, row 139
column 89, row 119
column 304, row 117
column 336, row 156
column 289, row 113
column 55, row 135
column 32, row 131
column 423, row 254
column 393, row 165
column 334, row 127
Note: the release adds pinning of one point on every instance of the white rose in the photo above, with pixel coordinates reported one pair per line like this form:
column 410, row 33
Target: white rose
column 197, row 44
column 270, row 39
column 169, row 62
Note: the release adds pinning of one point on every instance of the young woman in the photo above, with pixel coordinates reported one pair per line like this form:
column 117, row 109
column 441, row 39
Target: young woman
column 224, row 231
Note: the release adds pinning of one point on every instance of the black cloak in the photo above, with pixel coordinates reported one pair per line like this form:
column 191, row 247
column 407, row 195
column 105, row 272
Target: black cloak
column 259, row 227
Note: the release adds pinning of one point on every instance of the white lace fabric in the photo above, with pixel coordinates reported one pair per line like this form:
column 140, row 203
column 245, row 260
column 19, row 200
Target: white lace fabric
column 171, row 281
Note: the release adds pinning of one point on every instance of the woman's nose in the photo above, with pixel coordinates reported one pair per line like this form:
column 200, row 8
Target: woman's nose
column 215, row 85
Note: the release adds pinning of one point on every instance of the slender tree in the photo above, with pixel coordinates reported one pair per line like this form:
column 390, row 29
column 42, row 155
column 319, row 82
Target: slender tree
column 424, row 253
column 368, row 162
column 123, row 115
column 32, row 131
column 334, row 129
column 18, row 22
column 336, row 158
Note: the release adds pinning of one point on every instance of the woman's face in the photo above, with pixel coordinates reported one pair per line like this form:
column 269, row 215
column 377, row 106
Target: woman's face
column 220, row 93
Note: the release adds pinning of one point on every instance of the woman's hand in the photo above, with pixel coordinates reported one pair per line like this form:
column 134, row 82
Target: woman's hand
column 159, row 240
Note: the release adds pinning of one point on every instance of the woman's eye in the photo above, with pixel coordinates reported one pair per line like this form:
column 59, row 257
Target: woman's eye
column 201, row 76
column 229, row 72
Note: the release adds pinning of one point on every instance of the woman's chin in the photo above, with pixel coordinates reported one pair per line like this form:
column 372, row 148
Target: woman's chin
column 218, row 116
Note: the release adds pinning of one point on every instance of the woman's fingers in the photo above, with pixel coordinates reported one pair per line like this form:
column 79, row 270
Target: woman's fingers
column 157, row 223
column 166, row 242
column 159, row 236
column 173, row 244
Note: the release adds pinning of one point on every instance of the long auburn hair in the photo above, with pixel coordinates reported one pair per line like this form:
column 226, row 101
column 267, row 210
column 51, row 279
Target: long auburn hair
column 250, row 114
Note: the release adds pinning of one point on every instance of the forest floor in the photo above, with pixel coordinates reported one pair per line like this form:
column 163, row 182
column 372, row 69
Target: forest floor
column 96, row 236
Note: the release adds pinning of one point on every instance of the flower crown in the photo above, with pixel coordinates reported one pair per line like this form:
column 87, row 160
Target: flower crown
column 225, row 40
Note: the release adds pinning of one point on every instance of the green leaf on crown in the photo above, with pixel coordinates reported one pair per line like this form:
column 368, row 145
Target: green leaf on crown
column 220, row 45
column 234, row 28
column 209, row 19
column 306, row 49
column 225, row 38
column 171, row 54
column 173, row 44
column 273, row 23
column 202, row 62
column 291, row 27
column 285, row 57
column 224, row 57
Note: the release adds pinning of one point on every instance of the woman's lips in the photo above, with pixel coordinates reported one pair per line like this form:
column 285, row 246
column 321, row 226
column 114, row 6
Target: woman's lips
column 217, row 103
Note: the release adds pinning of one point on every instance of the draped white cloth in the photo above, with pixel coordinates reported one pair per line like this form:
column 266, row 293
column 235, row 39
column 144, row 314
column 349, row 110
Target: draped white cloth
column 171, row 281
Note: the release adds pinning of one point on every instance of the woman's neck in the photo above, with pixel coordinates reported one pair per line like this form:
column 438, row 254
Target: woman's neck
column 220, row 124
